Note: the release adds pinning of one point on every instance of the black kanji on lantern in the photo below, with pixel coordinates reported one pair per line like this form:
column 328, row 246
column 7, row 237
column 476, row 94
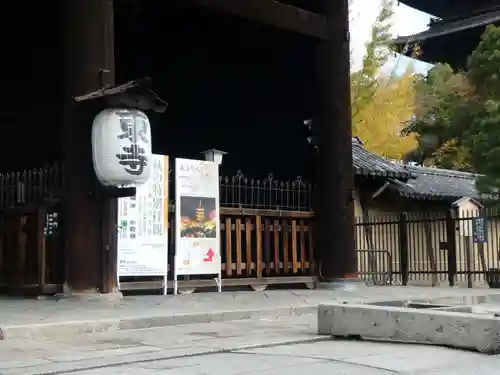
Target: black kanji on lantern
column 133, row 125
column 134, row 159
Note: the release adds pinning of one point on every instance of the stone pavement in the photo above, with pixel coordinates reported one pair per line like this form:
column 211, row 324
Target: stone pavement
column 267, row 346
column 50, row 318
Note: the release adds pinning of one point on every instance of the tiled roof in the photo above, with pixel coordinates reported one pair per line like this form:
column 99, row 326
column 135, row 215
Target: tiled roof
column 416, row 182
column 435, row 183
column 367, row 163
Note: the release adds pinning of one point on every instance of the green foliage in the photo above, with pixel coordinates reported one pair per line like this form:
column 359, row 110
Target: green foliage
column 483, row 140
column 441, row 116
column 484, row 135
column 484, row 64
column 458, row 114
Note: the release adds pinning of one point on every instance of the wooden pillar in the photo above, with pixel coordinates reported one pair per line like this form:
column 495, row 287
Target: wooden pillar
column 88, row 223
column 335, row 246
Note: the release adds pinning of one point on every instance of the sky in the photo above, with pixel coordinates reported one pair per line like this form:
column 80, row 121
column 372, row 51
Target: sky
column 406, row 21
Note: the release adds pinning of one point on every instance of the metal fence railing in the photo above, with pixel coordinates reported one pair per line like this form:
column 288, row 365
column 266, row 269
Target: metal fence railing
column 238, row 191
column 375, row 266
column 430, row 248
column 30, row 186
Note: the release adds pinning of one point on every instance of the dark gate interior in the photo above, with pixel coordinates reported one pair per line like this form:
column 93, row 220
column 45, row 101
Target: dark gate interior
column 231, row 84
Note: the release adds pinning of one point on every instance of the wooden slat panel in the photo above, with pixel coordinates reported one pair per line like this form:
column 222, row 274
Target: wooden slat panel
column 277, row 253
column 311, row 249
column 294, row 247
column 238, row 246
column 267, row 246
column 229, row 249
column 248, row 237
column 18, row 250
column 302, row 245
column 2, row 260
column 286, row 261
column 276, row 237
column 171, row 231
column 258, row 229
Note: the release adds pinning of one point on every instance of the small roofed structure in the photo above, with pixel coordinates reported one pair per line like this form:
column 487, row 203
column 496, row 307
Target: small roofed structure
column 465, row 201
column 133, row 94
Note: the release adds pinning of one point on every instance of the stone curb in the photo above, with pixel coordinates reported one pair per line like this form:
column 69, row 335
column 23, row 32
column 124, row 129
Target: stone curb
column 68, row 328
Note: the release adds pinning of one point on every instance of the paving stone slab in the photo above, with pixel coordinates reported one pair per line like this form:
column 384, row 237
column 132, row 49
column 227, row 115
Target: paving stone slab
column 39, row 319
column 260, row 346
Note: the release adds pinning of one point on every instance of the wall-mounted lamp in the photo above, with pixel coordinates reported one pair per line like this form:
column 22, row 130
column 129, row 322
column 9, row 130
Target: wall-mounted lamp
column 214, row 155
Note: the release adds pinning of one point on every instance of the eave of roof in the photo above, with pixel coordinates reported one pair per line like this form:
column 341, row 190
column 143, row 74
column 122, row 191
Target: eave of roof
column 443, row 28
column 439, row 184
column 417, row 182
column 366, row 163
column 443, row 8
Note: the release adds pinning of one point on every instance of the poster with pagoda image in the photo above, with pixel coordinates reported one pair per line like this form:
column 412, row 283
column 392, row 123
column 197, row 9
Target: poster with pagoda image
column 198, row 217
column 197, row 245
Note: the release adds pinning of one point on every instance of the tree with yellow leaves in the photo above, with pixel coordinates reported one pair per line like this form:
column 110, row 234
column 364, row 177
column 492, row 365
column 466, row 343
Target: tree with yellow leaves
column 380, row 123
column 383, row 104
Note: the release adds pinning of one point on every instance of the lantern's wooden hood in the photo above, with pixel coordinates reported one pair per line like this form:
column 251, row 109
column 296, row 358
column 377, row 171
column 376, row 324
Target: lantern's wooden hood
column 134, row 94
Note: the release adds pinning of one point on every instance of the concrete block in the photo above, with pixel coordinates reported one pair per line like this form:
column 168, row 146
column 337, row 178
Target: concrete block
column 463, row 330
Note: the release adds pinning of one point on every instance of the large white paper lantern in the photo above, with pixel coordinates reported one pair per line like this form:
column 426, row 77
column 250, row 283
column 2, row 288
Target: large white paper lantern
column 121, row 147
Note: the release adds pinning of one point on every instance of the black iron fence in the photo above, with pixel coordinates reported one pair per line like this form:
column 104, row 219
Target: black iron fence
column 30, row 186
column 268, row 193
column 449, row 248
column 238, row 191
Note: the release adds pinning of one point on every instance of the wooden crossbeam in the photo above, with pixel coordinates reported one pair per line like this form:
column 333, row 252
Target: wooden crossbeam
column 271, row 12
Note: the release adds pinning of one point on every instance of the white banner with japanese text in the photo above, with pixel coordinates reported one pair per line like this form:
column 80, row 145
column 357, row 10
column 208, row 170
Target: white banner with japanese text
column 197, row 239
column 143, row 225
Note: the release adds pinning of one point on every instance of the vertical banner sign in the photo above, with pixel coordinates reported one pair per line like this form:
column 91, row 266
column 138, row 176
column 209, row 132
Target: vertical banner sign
column 197, row 241
column 143, row 226
column 479, row 229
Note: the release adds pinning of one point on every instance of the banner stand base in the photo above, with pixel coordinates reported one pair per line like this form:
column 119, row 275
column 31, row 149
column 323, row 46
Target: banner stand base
column 90, row 296
column 217, row 279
